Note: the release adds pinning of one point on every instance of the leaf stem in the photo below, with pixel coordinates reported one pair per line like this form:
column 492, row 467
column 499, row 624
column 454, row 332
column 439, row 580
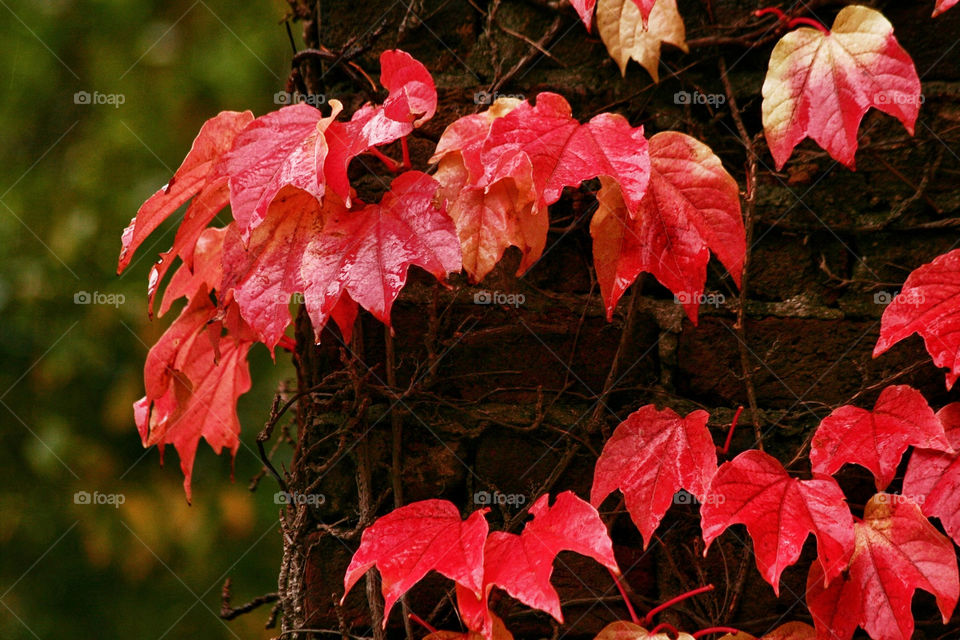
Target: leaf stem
column 623, row 594
column 389, row 162
column 709, row 630
column 810, row 23
column 423, row 623
column 733, row 425
column 664, row 626
column 672, row 601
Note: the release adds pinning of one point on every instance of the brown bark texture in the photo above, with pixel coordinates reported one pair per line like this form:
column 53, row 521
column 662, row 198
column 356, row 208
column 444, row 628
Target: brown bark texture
column 467, row 398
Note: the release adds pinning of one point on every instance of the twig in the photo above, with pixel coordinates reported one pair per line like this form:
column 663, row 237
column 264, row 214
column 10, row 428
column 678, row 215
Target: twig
column 749, row 203
column 229, row 613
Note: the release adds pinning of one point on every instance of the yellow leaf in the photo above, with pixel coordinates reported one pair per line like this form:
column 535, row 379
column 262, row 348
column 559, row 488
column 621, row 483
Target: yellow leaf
column 622, row 30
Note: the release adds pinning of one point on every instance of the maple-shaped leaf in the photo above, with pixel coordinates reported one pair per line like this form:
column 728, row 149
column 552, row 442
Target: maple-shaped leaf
column 197, row 176
column 203, row 273
column 563, row 152
column 624, row 630
column 942, row 5
column 692, row 207
column 415, row 539
column 788, row 631
column 367, row 253
column 876, row 440
column 779, row 512
column 488, row 218
column 193, row 376
column 821, row 83
column 933, row 477
column 929, row 305
column 522, row 564
column 268, row 271
column 897, row 552
column 585, row 8
column 650, row 456
column 287, row 147
column 498, row 632
column 412, row 101
column 186, row 244
column 628, row 33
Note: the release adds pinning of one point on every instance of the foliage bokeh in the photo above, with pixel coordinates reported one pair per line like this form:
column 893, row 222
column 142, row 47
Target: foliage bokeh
column 71, row 177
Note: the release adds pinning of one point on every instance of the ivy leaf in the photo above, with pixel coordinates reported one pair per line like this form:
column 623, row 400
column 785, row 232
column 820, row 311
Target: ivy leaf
column 490, row 218
column 522, row 564
column 624, row 630
column 284, row 147
column 197, row 176
column 498, row 632
column 204, row 272
column 563, row 152
column 876, row 440
column 650, row 456
column 779, row 511
column 415, row 539
column 692, row 206
column 367, row 253
column 929, row 305
column 788, row 631
column 585, row 8
column 933, row 477
column 942, row 5
column 412, row 101
column 268, row 272
column 627, row 32
column 193, row 377
column 897, row 552
column 820, row 84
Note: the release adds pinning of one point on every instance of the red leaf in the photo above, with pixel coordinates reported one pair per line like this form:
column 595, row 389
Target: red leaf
column 418, row 538
column 943, row 5
column 206, row 271
column 193, row 377
column 413, row 96
column 367, row 253
column 876, row 440
column 196, row 175
column 779, row 511
column 284, row 147
column 821, row 84
column 202, row 210
column 897, row 552
column 267, row 272
column 488, row 218
column 929, row 305
column 412, row 100
column 933, row 477
column 651, row 455
column 565, row 153
column 692, row 207
column 585, row 9
column 522, row 564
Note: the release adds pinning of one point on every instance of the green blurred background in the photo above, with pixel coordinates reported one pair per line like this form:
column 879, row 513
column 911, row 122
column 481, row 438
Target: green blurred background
column 71, row 177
